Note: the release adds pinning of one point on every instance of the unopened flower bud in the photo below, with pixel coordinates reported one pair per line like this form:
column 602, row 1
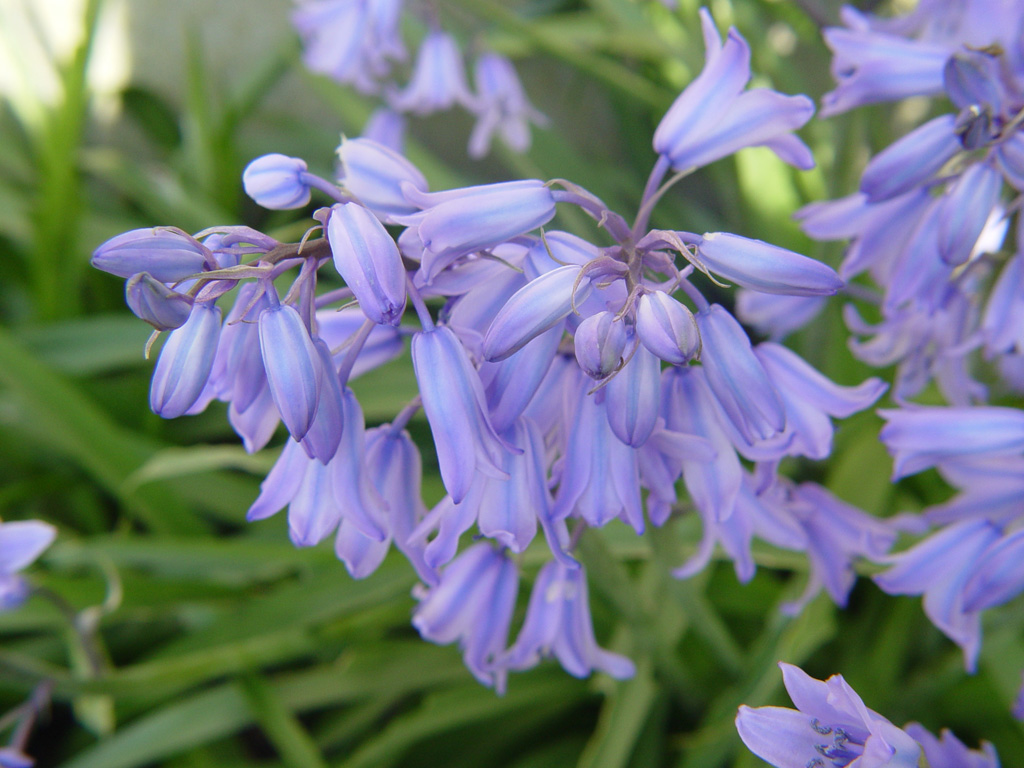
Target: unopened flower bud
column 275, row 182
column 667, row 328
column 600, row 341
column 168, row 254
column 293, row 367
column 185, row 363
column 155, row 303
column 374, row 173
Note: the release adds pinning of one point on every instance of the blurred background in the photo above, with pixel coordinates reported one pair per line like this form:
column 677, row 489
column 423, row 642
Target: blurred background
column 175, row 634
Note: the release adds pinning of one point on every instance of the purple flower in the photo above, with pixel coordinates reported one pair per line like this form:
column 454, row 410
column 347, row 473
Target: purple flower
column 949, row 752
column 599, row 343
column 472, row 605
column 999, row 576
column 276, row 182
column 713, row 117
column 293, row 367
column 324, row 434
column 633, row 397
column 832, row 725
column 438, row 78
column 185, row 363
column 511, row 384
column 910, row 161
column 453, row 401
column 21, row 542
column 776, row 316
column 767, row 268
column 501, row 106
column 387, row 128
column 558, row 624
column 368, row 261
column 666, row 328
column 154, row 302
column 166, row 253
column 461, row 221
column 375, row 173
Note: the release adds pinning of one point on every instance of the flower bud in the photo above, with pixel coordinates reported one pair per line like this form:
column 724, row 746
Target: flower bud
column 667, row 328
column 275, row 182
column 633, row 398
column 369, row 262
column 185, row 363
column 533, row 309
column 767, row 268
column 293, row 367
column 374, row 173
column 167, row 253
column 911, row 161
column 155, row 303
column 600, row 341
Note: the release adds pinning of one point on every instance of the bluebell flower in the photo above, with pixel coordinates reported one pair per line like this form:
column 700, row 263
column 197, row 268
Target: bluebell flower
column 599, row 343
column 767, row 268
column 293, row 368
column 387, row 128
column 511, row 385
column 438, row 78
column 501, row 106
column 558, row 624
column 276, row 182
column 375, row 173
column 714, row 117
column 21, row 542
column 154, row 302
column 830, row 727
column 185, row 363
column 324, row 434
column 667, row 328
column 633, row 397
column 453, row 401
column 911, row 160
column 777, row 316
column 472, row 605
column 999, row 576
column 166, row 253
column 949, row 752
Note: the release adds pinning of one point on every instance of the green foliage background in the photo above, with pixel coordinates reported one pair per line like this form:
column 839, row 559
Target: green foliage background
column 177, row 635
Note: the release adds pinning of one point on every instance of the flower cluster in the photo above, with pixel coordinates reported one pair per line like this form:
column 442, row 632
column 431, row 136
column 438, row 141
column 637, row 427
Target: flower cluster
column 358, row 42
column 929, row 226
column 566, row 385
column 832, row 728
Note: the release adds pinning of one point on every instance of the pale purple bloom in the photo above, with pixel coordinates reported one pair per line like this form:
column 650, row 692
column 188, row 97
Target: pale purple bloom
column 369, row 262
column 777, row 316
column 922, row 437
column 185, row 363
column 166, row 253
column 737, row 378
column 460, row 221
column 292, row 364
column 999, row 576
column 965, row 209
column 511, row 384
column 939, row 567
column 324, row 434
column 386, row 127
column 558, row 624
column 599, row 343
column 21, row 542
column 472, row 605
column 12, row 757
column 375, row 173
column 154, row 302
column 1010, row 155
column 238, row 369
column 256, row 423
column 992, row 488
column 666, row 328
column 713, row 117
column 453, row 401
column 633, row 397
column 277, row 182
column 438, row 78
column 1003, row 321
column 501, row 106
column 767, row 268
column 533, row 309
column 832, row 725
column 336, row 327
column 911, row 160
column 949, row 752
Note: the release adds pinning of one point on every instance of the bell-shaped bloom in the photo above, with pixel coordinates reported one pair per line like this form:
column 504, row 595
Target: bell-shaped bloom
column 239, row 367
column 511, row 384
column 277, row 182
column 501, row 106
column 386, row 127
column 777, row 316
column 600, row 475
column 965, row 210
column 1003, row 322
column 185, row 363
column 453, row 401
column 324, row 435
column 368, row 261
column 438, row 78
column 667, row 328
column 166, row 253
column 257, row 423
column 21, row 542
column 767, row 268
column 919, row 438
column 394, row 466
column 472, row 605
column 831, row 723
column 1010, row 155
column 536, row 307
column 336, row 327
column 910, row 161
column 999, row 576
column 374, row 173
column 558, row 624
column 736, row 377
column 633, row 397
column 154, row 302
column 939, row 567
column 949, row 752
column 472, row 313
column 461, row 221
column 713, row 117
column 293, row 367
column 599, row 343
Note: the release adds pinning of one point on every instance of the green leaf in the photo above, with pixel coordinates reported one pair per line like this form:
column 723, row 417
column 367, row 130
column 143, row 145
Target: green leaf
column 623, row 718
column 287, row 735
